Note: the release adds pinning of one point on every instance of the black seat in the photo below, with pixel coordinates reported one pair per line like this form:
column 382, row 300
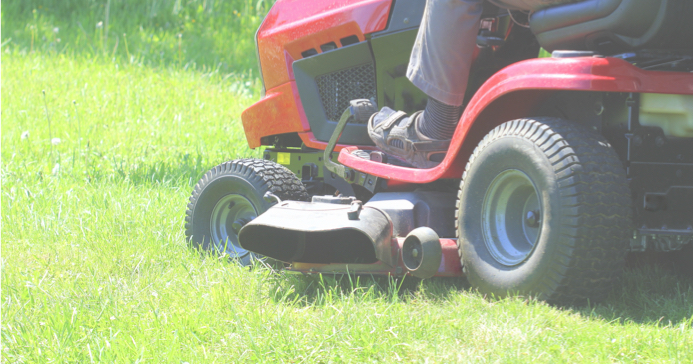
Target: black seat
column 615, row 26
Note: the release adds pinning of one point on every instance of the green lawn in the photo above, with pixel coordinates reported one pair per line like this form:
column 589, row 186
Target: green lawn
column 95, row 179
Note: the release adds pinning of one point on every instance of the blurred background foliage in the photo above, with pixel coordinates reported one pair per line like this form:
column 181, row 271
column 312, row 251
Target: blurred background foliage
column 199, row 34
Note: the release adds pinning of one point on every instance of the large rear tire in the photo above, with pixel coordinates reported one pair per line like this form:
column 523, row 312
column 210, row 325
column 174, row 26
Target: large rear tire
column 544, row 209
column 229, row 196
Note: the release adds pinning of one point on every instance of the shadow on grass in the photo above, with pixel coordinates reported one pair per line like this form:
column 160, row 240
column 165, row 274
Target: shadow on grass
column 649, row 295
column 310, row 290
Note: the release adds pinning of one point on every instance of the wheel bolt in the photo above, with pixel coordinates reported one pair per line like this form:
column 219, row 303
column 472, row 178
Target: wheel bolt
column 532, row 218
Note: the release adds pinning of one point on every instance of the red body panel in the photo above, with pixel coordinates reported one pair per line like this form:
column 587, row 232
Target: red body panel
column 290, row 28
column 276, row 113
column 294, row 26
column 514, row 91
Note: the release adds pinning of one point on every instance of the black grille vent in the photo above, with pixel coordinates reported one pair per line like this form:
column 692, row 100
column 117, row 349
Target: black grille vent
column 338, row 88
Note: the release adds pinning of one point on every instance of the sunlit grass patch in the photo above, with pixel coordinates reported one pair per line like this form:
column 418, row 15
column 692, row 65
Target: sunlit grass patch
column 93, row 120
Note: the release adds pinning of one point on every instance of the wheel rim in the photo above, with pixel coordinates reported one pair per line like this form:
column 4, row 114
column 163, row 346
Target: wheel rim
column 230, row 214
column 511, row 217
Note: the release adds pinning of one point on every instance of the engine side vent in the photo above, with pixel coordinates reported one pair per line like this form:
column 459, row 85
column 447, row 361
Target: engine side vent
column 327, row 82
column 328, row 47
column 338, row 88
column 352, row 39
column 308, row 53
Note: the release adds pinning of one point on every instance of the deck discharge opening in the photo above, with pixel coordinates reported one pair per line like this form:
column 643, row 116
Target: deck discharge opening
column 348, row 245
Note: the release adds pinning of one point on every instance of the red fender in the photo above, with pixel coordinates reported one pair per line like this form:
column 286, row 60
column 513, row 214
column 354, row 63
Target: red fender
column 514, row 92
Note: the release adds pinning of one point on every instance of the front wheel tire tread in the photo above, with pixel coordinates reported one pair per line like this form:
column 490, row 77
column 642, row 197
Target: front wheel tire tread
column 263, row 175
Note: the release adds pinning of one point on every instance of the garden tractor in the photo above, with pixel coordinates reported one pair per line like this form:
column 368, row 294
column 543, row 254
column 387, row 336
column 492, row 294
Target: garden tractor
column 575, row 148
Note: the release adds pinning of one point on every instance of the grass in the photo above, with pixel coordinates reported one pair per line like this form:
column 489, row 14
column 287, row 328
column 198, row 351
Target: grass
column 95, row 178
column 206, row 34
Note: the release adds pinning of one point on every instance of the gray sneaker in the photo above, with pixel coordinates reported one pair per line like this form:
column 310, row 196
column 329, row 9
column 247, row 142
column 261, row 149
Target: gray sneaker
column 397, row 134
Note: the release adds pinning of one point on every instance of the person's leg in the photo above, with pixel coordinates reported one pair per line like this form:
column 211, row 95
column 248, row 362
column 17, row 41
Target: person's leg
column 442, row 54
column 529, row 5
column 439, row 65
column 440, row 62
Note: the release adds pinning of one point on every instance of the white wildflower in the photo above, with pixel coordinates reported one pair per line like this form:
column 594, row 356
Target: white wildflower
column 55, row 141
column 56, row 30
column 25, row 135
column 56, row 169
column 99, row 25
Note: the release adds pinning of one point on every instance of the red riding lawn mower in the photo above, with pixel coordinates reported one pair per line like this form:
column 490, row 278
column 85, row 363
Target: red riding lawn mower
column 562, row 162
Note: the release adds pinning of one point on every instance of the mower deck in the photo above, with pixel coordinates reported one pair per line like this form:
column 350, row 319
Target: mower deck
column 449, row 264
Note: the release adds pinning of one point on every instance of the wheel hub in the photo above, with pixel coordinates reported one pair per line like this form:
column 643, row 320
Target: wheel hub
column 229, row 215
column 532, row 219
column 511, row 217
column 238, row 224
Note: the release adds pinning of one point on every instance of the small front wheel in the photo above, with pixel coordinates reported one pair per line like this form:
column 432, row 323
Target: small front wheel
column 544, row 209
column 229, row 196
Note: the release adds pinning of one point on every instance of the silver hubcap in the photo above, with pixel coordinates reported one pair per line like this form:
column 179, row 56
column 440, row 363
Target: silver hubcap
column 511, row 217
column 230, row 214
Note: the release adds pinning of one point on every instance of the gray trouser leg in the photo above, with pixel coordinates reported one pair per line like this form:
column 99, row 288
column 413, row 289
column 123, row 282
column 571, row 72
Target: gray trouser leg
column 442, row 55
column 529, row 5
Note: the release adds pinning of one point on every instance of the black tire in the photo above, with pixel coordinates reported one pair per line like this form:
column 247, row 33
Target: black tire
column 233, row 192
column 570, row 248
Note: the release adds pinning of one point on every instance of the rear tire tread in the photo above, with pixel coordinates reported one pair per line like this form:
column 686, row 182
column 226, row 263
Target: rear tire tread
column 596, row 224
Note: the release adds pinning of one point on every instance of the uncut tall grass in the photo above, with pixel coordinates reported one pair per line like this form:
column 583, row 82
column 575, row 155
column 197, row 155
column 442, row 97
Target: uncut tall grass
column 95, row 178
column 210, row 34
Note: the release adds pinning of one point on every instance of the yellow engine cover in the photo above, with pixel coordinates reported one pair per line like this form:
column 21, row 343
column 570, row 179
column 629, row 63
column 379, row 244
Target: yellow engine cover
column 672, row 113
